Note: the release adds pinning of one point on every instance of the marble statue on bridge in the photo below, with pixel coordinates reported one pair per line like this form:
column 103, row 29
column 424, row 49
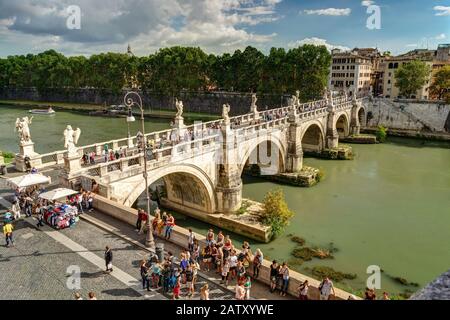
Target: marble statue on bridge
column 23, row 128
column 225, row 112
column 180, row 108
column 71, row 139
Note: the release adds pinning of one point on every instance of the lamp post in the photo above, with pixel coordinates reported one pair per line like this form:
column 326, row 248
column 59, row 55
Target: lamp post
column 134, row 99
column 130, row 118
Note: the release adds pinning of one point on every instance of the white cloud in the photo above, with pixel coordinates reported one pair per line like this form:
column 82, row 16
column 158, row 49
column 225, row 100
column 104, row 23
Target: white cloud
column 367, row 3
column 330, row 12
column 215, row 25
column 441, row 36
column 443, row 11
column 317, row 42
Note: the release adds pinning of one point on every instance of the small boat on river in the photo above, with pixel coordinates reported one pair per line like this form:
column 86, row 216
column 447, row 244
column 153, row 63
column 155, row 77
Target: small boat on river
column 48, row 111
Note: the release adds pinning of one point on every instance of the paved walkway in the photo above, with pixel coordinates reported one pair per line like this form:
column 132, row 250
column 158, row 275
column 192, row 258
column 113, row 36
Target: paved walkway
column 259, row 290
column 27, row 272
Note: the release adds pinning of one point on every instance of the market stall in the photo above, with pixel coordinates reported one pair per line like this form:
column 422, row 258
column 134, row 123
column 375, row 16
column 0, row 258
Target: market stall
column 57, row 214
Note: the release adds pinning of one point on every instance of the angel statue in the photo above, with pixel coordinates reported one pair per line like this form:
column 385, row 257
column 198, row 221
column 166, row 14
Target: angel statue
column 254, row 100
column 23, row 128
column 179, row 106
column 225, row 111
column 294, row 101
column 71, row 138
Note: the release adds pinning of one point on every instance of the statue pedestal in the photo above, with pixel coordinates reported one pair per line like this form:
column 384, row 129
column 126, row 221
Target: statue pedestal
column 179, row 126
column 26, row 150
column 69, row 178
column 72, row 162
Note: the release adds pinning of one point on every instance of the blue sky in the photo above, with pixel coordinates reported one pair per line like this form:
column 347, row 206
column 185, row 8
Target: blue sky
column 219, row 25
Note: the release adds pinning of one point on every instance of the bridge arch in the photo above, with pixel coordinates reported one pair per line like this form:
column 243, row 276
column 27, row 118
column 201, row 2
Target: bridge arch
column 342, row 125
column 188, row 187
column 362, row 116
column 313, row 138
column 270, row 148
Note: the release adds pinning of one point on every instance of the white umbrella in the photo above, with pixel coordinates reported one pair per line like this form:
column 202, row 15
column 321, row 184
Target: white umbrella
column 56, row 194
column 28, row 180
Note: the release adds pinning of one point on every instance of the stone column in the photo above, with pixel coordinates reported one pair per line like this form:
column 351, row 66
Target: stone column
column 26, row 150
column 295, row 152
column 229, row 186
column 332, row 133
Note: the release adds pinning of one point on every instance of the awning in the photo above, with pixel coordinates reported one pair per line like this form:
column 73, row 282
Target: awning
column 56, row 194
column 28, row 180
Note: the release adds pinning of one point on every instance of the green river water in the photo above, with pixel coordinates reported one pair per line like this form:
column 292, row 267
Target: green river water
column 389, row 207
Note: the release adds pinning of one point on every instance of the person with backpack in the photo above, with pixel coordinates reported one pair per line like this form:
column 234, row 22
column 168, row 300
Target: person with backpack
column 108, row 259
column 144, row 275
column 325, row 289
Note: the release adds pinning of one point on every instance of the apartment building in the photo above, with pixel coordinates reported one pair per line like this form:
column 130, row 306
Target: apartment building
column 351, row 72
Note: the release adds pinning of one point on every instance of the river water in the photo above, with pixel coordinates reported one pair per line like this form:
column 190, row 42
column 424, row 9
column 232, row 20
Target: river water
column 388, row 207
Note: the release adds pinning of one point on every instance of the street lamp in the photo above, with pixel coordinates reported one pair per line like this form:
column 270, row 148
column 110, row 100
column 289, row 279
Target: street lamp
column 130, row 118
column 134, row 99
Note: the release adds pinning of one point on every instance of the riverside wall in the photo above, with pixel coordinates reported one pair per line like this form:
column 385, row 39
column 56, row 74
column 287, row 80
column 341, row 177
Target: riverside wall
column 202, row 102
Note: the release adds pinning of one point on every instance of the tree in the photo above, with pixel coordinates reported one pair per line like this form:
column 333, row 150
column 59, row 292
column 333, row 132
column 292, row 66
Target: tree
column 381, row 134
column 411, row 76
column 441, row 84
column 276, row 212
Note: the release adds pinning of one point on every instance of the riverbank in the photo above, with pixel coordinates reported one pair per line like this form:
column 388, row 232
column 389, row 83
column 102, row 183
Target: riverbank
column 414, row 134
column 87, row 108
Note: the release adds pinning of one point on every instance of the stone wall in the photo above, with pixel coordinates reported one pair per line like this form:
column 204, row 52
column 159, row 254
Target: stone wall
column 205, row 102
column 409, row 115
column 179, row 237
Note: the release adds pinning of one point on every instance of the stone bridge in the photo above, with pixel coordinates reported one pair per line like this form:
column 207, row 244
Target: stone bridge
column 201, row 165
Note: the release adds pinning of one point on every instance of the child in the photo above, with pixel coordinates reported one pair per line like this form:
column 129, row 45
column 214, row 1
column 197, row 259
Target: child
column 176, row 289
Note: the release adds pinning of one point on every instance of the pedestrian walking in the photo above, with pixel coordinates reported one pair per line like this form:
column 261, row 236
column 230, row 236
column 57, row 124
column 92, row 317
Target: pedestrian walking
column 325, row 289
column 15, row 209
column 303, row 290
column 144, row 275
column 90, row 198
column 191, row 240
column 108, row 259
column 40, row 216
column 8, row 233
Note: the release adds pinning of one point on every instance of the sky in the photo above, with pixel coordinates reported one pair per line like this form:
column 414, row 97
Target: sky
column 218, row 26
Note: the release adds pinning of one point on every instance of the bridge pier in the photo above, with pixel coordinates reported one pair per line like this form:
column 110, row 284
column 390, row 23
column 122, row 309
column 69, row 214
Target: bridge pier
column 294, row 161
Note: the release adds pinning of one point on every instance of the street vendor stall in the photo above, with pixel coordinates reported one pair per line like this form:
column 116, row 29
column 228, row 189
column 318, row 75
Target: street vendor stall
column 28, row 180
column 57, row 214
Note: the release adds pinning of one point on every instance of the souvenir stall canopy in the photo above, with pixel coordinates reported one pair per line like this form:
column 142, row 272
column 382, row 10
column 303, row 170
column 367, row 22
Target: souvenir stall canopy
column 28, row 180
column 57, row 194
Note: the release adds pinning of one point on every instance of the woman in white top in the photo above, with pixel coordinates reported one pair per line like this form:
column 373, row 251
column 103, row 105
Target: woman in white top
column 303, row 290
column 15, row 209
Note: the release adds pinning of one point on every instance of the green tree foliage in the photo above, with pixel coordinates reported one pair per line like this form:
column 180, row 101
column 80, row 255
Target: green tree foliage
column 381, row 134
column 173, row 69
column 276, row 212
column 411, row 76
column 441, row 84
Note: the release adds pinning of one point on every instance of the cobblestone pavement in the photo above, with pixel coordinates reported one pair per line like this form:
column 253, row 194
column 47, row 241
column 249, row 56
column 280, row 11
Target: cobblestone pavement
column 36, row 268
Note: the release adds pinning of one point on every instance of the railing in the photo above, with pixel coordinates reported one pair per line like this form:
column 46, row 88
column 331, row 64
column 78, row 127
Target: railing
column 163, row 139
